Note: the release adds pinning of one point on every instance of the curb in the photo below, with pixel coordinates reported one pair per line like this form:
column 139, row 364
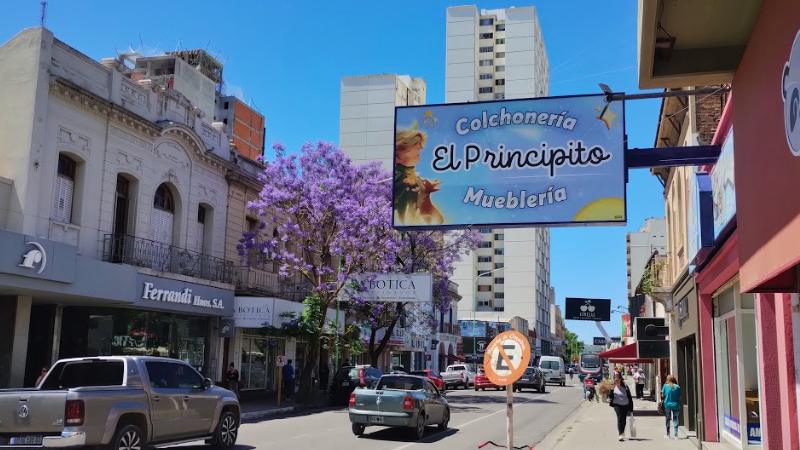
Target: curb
column 255, row 415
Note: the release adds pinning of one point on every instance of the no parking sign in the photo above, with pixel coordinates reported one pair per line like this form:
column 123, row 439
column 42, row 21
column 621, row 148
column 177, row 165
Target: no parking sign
column 506, row 358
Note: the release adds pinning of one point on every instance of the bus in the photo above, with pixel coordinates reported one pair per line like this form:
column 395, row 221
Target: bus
column 591, row 365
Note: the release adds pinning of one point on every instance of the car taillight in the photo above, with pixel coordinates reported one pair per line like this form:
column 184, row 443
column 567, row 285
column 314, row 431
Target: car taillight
column 352, row 403
column 74, row 412
column 408, row 403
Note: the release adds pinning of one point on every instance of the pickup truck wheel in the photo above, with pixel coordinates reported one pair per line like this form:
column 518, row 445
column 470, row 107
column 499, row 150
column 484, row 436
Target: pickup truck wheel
column 445, row 420
column 358, row 429
column 419, row 430
column 128, row 437
column 227, row 431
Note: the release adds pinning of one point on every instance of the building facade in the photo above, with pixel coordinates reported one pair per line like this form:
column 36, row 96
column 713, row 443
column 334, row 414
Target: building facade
column 498, row 54
column 366, row 114
column 114, row 207
column 651, row 238
column 747, row 284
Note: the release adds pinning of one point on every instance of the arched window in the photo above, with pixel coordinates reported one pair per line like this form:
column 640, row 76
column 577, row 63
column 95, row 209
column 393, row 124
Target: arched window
column 124, row 204
column 203, row 231
column 163, row 215
column 64, row 189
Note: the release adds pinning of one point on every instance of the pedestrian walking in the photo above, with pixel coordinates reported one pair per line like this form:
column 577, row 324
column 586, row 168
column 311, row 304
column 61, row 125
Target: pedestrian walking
column 638, row 378
column 671, row 401
column 41, row 376
column 232, row 377
column 622, row 402
column 288, row 379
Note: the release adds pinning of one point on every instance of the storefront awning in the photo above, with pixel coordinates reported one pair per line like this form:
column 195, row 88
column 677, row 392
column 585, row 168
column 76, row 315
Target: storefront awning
column 627, row 354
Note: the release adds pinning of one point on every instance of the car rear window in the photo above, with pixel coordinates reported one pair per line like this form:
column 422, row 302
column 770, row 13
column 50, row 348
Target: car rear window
column 456, row 368
column 529, row 371
column 73, row 374
column 549, row 365
column 404, row 383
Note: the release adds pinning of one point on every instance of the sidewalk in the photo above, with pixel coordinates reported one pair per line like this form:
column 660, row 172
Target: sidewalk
column 259, row 407
column 594, row 426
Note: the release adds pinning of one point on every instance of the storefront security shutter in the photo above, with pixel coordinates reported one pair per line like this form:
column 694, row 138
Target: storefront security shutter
column 62, row 207
column 161, row 226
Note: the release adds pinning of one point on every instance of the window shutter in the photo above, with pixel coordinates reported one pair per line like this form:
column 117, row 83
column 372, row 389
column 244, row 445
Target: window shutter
column 62, row 207
column 199, row 237
column 162, row 226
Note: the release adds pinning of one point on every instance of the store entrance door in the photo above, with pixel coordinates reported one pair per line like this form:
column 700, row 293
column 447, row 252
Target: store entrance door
column 687, row 374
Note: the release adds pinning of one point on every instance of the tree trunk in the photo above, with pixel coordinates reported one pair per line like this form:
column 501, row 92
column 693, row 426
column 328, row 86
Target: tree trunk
column 307, row 392
column 375, row 352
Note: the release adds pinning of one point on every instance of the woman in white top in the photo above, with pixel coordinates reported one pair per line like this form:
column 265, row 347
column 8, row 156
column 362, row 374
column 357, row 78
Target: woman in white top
column 622, row 402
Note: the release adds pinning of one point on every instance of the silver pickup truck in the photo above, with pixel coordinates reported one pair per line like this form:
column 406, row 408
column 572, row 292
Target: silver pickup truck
column 119, row 402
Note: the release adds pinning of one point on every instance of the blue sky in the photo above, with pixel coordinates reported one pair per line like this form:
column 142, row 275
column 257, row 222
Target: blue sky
column 287, row 57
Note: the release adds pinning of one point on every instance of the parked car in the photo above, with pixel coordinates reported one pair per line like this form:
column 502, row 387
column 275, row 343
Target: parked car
column 458, row 375
column 119, row 402
column 427, row 373
column 553, row 369
column 399, row 401
column 531, row 379
column 347, row 378
column 482, row 382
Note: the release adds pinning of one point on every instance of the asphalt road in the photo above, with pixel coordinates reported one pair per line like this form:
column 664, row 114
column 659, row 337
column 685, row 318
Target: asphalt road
column 476, row 417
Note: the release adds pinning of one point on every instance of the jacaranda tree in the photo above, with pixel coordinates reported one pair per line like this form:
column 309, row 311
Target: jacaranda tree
column 425, row 251
column 336, row 216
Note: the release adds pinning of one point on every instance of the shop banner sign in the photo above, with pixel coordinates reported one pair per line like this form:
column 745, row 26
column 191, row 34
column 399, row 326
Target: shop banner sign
column 723, row 187
column 594, row 309
column 167, row 294
column 732, row 426
column 553, row 161
column 699, row 218
column 753, row 433
column 253, row 312
column 395, row 287
column 33, row 257
column 599, row 341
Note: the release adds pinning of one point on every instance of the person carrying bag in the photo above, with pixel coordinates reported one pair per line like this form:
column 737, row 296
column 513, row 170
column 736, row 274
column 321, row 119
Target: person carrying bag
column 622, row 402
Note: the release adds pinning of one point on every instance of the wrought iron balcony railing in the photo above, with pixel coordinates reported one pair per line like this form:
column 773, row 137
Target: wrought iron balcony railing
column 163, row 257
column 257, row 281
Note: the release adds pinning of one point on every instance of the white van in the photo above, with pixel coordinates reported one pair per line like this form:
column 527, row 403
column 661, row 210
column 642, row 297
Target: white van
column 553, row 369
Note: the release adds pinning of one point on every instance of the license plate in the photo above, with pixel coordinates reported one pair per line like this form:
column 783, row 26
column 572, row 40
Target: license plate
column 376, row 419
column 26, row 440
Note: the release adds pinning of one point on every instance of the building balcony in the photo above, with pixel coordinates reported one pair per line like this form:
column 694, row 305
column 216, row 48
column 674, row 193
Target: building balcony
column 124, row 249
column 256, row 281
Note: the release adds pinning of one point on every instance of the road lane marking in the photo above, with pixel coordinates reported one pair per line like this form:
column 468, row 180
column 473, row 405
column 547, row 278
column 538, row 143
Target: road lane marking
column 421, row 441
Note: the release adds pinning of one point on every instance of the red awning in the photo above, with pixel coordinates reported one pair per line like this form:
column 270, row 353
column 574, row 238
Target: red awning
column 627, row 354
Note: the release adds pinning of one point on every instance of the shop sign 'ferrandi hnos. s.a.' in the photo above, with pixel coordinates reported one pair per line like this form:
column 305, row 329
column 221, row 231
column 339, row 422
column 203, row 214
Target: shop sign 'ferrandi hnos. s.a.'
column 551, row 160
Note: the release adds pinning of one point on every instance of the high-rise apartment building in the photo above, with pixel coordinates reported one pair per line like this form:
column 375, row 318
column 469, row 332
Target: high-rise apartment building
column 366, row 115
column 497, row 54
column 651, row 238
column 494, row 54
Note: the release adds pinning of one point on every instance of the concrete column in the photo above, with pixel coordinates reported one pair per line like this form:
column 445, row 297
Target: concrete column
column 786, row 373
column 769, row 371
column 19, row 350
column 707, row 374
column 59, row 316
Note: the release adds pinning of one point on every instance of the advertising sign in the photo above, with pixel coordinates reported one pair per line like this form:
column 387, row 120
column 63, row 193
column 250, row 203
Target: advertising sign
column 472, row 328
column 167, row 294
column 723, row 187
column 553, row 161
column 699, row 217
column 506, row 358
column 396, row 287
column 790, row 92
column 594, row 309
column 626, row 326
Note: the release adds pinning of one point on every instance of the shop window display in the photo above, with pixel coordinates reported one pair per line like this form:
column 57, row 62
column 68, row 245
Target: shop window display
column 736, row 364
column 103, row 332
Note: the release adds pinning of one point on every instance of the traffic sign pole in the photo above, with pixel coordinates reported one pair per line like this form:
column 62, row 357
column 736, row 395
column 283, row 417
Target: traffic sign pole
column 504, row 362
column 510, row 416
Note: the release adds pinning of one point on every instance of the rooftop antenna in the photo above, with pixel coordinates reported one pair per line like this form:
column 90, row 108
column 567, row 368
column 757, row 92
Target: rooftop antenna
column 43, row 16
